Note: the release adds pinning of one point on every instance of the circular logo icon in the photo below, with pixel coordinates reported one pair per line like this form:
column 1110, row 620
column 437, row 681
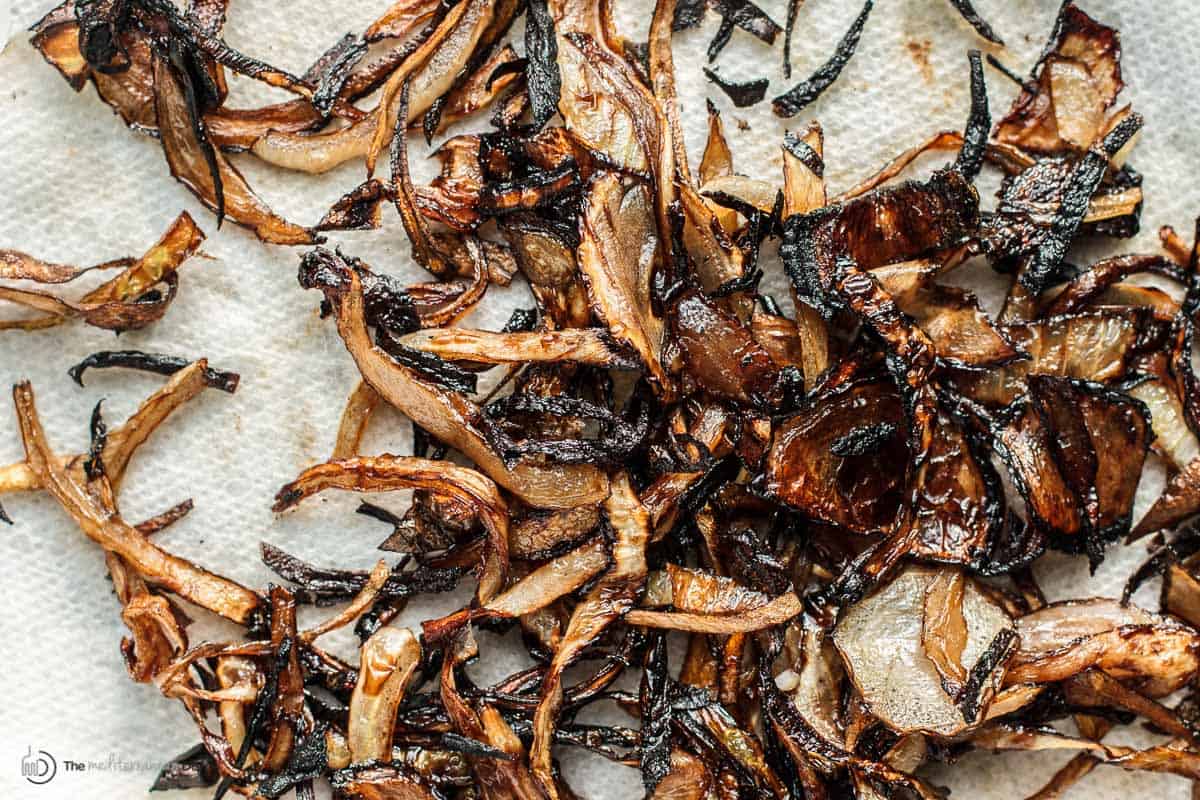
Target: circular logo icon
column 38, row 767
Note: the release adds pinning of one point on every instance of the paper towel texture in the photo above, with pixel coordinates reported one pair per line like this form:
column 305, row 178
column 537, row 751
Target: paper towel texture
column 76, row 186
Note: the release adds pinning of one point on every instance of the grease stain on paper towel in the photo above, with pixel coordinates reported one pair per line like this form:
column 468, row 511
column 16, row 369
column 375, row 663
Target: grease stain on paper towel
column 920, row 50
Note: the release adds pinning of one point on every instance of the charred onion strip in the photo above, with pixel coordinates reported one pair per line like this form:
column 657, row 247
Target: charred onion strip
column 549, row 487
column 151, row 362
column 802, row 94
column 389, row 473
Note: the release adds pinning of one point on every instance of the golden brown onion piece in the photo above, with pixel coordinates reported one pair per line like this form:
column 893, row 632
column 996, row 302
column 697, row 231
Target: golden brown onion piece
column 1076, row 82
column 1065, row 639
column 617, row 258
column 387, row 662
column 389, row 473
column 446, row 415
column 803, row 470
column 578, row 345
column 177, row 575
column 122, row 442
column 125, row 302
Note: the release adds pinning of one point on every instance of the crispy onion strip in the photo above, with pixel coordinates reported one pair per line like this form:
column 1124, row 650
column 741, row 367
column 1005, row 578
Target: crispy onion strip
column 537, row 590
column 1174, row 760
column 387, row 663
column 121, row 442
column 389, row 473
column 120, row 303
column 776, row 612
column 612, row 597
column 447, row 415
column 232, row 195
column 591, row 346
column 193, row 583
column 432, row 66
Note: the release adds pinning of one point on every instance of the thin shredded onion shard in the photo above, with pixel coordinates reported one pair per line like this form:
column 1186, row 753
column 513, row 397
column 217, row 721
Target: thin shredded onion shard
column 432, row 67
column 1164, row 758
column 122, row 442
column 617, row 257
column 775, row 612
column 186, row 157
column 1178, row 501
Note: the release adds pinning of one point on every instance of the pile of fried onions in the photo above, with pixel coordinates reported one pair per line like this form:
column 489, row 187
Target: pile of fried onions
column 790, row 539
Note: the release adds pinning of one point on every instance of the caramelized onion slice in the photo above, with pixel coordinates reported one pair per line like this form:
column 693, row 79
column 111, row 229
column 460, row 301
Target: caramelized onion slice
column 720, row 353
column 1181, row 594
column 1179, row 500
column 126, row 302
column 1163, row 758
column 551, row 581
column 1076, row 81
column 802, row 470
column 187, row 159
column 360, row 406
column 538, row 534
column 432, row 67
column 1091, row 346
column 617, row 254
column 1065, row 639
column 1076, row 453
column 602, row 101
column 961, row 332
column 591, row 346
column 880, row 640
column 960, row 510
column 775, row 612
column 387, row 663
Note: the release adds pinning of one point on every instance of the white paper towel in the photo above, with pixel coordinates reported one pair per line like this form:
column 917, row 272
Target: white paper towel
column 77, row 187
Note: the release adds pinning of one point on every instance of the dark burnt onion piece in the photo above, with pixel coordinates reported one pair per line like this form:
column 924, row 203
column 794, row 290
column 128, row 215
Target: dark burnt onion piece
column 802, row 470
column 981, row 26
column 158, row 363
column 804, row 93
column 744, row 93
